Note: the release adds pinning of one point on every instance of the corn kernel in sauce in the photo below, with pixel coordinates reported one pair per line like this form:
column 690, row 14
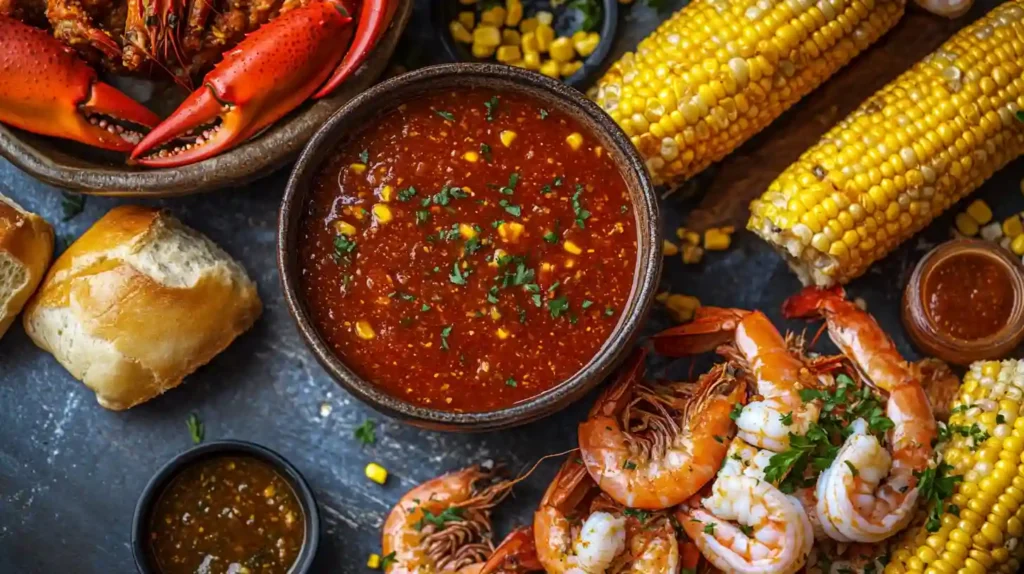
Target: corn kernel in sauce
column 493, row 280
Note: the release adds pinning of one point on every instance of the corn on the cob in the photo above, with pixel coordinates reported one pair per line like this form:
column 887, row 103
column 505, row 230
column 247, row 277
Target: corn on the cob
column 719, row 71
column 917, row 146
column 984, row 532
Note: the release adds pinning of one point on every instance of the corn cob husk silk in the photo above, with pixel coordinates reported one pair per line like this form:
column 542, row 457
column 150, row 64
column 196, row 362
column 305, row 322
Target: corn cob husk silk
column 982, row 530
column 913, row 149
column 719, row 71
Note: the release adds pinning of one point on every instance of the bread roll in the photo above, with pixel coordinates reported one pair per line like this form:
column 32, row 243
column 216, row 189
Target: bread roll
column 26, row 247
column 139, row 302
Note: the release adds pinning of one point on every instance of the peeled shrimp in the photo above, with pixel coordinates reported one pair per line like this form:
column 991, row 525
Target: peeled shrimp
column 652, row 451
column 868, row 493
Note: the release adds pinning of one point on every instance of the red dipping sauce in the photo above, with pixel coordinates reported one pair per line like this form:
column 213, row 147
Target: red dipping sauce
column 468, row 250
column 970, row 296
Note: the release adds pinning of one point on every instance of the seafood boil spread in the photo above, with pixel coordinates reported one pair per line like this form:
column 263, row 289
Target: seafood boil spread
column 475, row 246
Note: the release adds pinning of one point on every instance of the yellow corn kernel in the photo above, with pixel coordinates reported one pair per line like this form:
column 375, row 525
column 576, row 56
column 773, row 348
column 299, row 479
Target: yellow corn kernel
column 510, row 232
column 376, row 473
column 467, row 18
column 545, row 36
column 662, row 297
column 716, row 240
column 550, row 69
column 529, row 43
column 482, row 52
column 488, row 36
column 357, row 168
column 494, row 313
column 373, row 561
column 569, row 68
column 528, row 25
column 1012, row 226
column 493, row 16
column 387, row 193
column 561, row 49
column 510, row 38
column 514, row 12
column 575, row 140
column 682, row 307
column 344, row 228
column 584, row 43
column 460, row 32
column 531, row 61
column 1017, row 246
column 364, row 330
column 572, row 247
column 509, row 54
column 966, row 225
column 471, row 156
column 467, row 231
column 545, row 18
column 502, row 333
column 980, row 211
column 669, row 249
column 507, row 137
column 692, row 254
column 381, row 213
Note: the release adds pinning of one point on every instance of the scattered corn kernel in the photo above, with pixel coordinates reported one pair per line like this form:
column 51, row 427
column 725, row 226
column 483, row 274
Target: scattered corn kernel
column 692, row 254
column 980, row 211
column 344, row 228
column 682, row 307
column 966, row 225
column 569, row 68
column 575, row 140
column 471, row 156
column 357, row 168
column 467, row 231
column 550, row 69
column 561, row 49
column 662, row 297
column 514, row 9
column 510, row 231
column 493, row 16
column 376, row 473
column 373, row 561
column 364, row 330
column 498, row 254
column 486, row 36
column 1018, row 245
column 585, row 44
column 510, row 38
column 1012, row 226
column 460, row 32
column 495, row 314
column 531, row 61
column 381, row 213
column 545, row 36
column 528, row 41
column 544, row 17
column 572, row 247
column 387, row 193
column 716, row 240
column 992, row 232
column 509, row 54
column 668, row 249
column 483, row 52
column 502, row 333
column 468, row 19
column 507, row 137
column 528, row 25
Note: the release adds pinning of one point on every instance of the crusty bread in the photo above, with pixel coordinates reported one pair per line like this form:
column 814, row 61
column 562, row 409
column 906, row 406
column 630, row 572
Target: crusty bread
column 26, row 247
column 139, row 302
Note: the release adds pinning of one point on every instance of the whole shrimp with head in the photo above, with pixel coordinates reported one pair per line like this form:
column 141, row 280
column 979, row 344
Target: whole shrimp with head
column 869, row 493
column 652, row 448
column 748, row 525
column 444, row 525
column 749, row 339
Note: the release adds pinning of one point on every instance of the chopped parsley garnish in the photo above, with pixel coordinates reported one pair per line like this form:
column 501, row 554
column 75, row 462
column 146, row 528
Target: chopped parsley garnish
column 513, row 181
column 640, row 515
column 589, row 11
column 473, row 245
column 492, row 294
column 550, row 237
column 446, row 115
column 586, row 303
column 543, row 114
column 195, row 428
column 558, row 307
column 407, row 193
column 458, row 276
column 786, row 469
column 422, row 216
column 748, row 530
column 554, row 286
column 366, row 433
column 485, row 151
column 510, row 382
column 629, row 465
column 387, row 560
column 536, row 299
column 402, row 296
column 709, row 528
column 445, row 332
column 510, row 208
column 492, row 108
column 786, row 419
column 975, row 432
column 424, row 308
column 608, row 311
column 364, row 156
column 736, row 410
column 343, row 248
column 935, row 485
column 959, row 409
column 581, row 214
column 450, row 514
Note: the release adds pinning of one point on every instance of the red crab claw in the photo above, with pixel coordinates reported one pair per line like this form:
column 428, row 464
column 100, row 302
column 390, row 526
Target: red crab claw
column 46, row 89
column 375, row 17
column 267, row 75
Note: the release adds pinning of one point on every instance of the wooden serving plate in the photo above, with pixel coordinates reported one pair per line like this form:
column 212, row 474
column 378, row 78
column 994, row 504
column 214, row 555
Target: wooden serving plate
column 77, row 167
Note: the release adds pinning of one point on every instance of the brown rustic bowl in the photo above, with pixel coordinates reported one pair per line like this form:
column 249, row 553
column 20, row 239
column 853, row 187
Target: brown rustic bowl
column 392, row 93
column 78, row 167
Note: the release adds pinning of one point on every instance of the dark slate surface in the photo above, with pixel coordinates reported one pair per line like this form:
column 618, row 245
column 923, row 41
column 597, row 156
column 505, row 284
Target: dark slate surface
column 70, row 471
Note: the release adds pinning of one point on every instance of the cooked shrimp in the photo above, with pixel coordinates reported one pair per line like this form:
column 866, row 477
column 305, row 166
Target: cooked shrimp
column 444, row 524
column 654, row 450
column 516, row 554
column 607, row 541
column 866, row 495
column 750, row 339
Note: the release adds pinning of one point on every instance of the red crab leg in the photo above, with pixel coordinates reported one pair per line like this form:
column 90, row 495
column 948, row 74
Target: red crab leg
column 46, row 89
column 267, row 75
column 373, row 20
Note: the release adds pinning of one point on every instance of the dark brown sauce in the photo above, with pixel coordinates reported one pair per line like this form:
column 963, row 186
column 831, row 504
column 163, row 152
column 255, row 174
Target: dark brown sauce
column 227, row 515
column 969, row 296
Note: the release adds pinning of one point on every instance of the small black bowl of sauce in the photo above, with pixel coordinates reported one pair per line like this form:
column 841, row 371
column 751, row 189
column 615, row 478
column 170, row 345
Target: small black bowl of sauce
column 226, row 507
column 965, row 302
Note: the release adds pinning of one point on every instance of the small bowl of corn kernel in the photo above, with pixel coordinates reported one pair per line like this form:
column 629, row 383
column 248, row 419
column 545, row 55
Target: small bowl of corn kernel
column 563, row 39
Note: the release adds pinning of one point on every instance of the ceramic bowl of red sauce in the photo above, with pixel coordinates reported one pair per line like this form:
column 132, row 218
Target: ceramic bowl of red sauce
column 469, row 246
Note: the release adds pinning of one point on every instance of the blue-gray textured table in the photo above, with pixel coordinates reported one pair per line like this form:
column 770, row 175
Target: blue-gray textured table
column 70, row 471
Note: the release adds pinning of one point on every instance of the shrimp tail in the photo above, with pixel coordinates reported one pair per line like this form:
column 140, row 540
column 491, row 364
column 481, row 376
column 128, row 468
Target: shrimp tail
column 811, row 302
column 516, row 554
